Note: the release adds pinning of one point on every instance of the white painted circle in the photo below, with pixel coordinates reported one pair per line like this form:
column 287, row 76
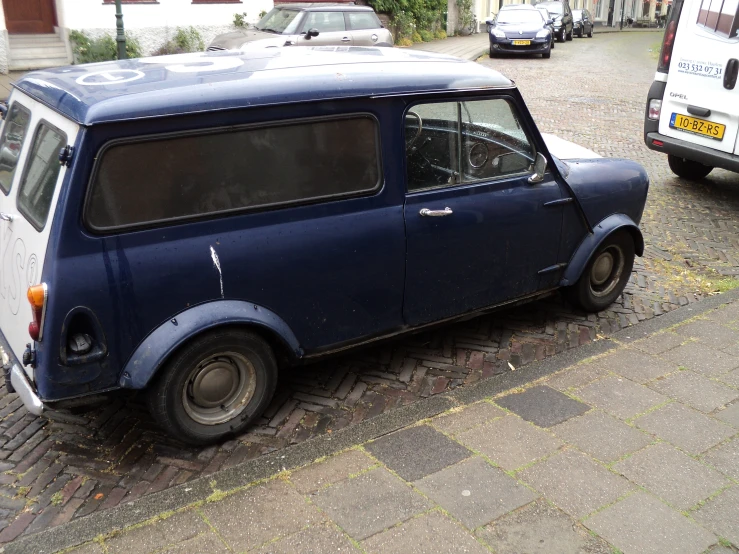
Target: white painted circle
column 110, row 77
column 466, row 492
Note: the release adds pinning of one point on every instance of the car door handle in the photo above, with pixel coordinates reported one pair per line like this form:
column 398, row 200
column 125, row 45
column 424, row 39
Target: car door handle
column 730, row 74
column 6, row 217
column 346, row 39
column 425, row 212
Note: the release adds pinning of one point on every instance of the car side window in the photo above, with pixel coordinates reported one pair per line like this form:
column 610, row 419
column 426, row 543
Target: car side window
column 325, row 22
column 460, row 142
column 363, row 20
column 11, row 143
column 169, row 178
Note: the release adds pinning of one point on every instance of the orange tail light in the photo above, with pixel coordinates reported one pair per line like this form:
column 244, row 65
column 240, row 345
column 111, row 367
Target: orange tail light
column 37, row 295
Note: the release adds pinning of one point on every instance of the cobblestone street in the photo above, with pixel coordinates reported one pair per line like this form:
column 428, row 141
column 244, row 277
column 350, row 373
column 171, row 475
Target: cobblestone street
column 592, row 92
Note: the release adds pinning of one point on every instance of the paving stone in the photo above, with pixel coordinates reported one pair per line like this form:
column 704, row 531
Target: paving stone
column 429, row 533
column 475, row 492
column 417, row 451
column 318, row 539
column 258, row 514
column 659, row 343
column 685, row 428
column 89, row 548
column 335, row 469
column 731, row 378
column 620, row 397
column 543, row 529
column 367, row 504
column 542, row 406
column 469, row 417
column 725, row 458
column 721, row 515
column 207, row 543
column 635, row 365
column 702, row 359
column 709, row 333
column 641, row 524
column 671, row 475
column 730, row 414
column 718, row 549
column 510, row 442
column 723, row 315
column 695, row 390
column 576, row 377
column 575, row 483
column 178, row 528
column 601, row 435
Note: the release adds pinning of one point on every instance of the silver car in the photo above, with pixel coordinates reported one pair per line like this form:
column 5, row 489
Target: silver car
column 301, row 25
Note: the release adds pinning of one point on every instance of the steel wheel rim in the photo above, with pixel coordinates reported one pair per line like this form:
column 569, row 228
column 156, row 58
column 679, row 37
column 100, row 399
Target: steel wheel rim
column 219, row 388
column 606, row 271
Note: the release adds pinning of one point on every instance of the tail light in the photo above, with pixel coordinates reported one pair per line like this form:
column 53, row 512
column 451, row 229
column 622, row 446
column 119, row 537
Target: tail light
column 655, row 108
column 668, row 41
column 37, row 296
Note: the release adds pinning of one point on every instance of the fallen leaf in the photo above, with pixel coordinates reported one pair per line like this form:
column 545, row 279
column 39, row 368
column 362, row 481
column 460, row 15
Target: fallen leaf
column 511, row 366
column 99, row 495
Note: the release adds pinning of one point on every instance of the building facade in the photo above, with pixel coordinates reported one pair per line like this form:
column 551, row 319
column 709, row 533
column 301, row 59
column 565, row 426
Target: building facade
column 35, row 33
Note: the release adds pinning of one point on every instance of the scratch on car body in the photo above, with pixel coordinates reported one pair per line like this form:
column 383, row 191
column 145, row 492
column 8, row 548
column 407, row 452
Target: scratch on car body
column 217, row 265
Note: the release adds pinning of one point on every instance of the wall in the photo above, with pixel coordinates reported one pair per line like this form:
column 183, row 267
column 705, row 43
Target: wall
column 4, row 44
column 153, row 24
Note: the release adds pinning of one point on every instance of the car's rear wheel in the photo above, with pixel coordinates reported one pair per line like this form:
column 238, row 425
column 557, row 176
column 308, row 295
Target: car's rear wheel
column 215, row 386
column 688, row 169
column 590, row 32
column 606, row 275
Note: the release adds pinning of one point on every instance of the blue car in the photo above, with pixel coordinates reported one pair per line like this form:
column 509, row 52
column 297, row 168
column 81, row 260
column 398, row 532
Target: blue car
column 192, row 224
column 520, row 29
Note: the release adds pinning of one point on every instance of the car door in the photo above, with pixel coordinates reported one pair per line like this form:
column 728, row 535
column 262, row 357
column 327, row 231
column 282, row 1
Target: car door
column 701, row 99
column 364, row 28
column 478, row 232
column 331, row 29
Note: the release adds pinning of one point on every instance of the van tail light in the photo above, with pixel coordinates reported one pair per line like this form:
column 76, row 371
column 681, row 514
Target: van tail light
column 655, row 108
column 668, row 41
column 37, row 296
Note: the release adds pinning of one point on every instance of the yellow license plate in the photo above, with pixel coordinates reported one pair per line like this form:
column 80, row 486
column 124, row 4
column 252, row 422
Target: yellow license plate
column 698, row 126
column 521, row 42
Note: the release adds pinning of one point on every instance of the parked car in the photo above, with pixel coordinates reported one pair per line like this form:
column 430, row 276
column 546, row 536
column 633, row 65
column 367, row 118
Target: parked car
column 520, row 29
column 582, row 23
column 549, row 21
column 219, row 216
column 315, row 25
column 562, row 16
column 692, row 113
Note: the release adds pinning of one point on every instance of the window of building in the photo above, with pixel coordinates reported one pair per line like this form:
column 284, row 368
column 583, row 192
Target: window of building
column 171, row 178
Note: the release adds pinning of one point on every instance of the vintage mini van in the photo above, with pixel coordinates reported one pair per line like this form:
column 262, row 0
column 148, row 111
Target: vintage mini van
column 189, row 224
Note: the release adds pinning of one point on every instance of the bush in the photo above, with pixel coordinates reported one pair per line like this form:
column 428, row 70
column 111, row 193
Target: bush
column 426, row 36
column 440, row 34
column 404, row 42
column 466, row 16
column 404, row 25
column 101, row 49
column 416, row 37
column 184, row 40
column 422, row 14
column 262, row 14
column 240, row 20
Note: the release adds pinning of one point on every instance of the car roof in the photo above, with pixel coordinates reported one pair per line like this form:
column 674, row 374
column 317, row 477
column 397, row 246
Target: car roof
column 207, row 81
column 517, row 7
column 322, row 7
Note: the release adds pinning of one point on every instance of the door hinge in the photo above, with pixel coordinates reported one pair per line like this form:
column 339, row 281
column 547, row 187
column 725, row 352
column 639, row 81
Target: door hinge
column 66, row 155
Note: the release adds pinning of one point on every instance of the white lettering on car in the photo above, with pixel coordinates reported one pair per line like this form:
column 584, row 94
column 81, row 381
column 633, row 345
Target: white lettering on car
column 195, row 62
column 110, row 77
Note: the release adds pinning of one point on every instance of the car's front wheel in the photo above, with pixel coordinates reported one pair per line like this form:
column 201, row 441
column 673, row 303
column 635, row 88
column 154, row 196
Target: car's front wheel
column 547, row 54
column 491, row 52
column 569, row 35
column 606, row 275
column 688, row 169
column 214, row 386
column 590, row 32
column 563, row 35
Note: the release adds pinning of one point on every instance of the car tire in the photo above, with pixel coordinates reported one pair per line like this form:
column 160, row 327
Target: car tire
column 547, row 54
column 606, row 274
column 590, row 33
column 490, row 51
column 214, row 386
column 563, row 35
column 688, row 169
column 569, row 35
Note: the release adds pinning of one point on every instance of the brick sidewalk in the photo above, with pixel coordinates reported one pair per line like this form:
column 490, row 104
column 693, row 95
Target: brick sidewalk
column 635, row 450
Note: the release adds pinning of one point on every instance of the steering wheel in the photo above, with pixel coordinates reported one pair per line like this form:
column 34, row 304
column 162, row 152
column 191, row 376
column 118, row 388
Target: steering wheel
column 409, row 143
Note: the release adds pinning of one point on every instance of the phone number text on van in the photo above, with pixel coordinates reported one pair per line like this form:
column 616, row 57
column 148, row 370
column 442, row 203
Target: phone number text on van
column 700, row 69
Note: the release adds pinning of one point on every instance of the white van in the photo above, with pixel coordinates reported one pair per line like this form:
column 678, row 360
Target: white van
column 693, row 106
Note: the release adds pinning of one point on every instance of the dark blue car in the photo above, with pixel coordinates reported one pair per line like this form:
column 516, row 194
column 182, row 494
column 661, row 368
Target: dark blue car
column 192, row 224
column 520, row 29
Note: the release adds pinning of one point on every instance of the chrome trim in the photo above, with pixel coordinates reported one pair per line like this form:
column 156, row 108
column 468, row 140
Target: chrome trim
column 435, row 213
column 26, row 393
column 215, row 49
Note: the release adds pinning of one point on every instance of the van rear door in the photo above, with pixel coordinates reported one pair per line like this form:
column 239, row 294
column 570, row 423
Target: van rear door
column 30, row 177
column 700, row 105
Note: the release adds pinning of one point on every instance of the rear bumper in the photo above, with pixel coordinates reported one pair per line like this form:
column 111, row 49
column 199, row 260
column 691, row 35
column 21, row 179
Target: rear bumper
column 25, row 391
column 694, row 152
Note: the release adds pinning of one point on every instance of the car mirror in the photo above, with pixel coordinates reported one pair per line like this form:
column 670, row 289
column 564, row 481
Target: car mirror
column 311, row 33
column 489, row 21
column 540, row 167
column 550, row 21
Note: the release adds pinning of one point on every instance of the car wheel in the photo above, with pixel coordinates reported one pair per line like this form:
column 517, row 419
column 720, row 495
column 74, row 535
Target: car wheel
column 606, row 274
column 569, row 35
column 590, row 33
column 490, row 51
column 563, row 35
column 214, row 386
column 688, row 169
column 551, row 45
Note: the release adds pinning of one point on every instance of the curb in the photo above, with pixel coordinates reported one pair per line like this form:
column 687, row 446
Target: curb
column 87, row 528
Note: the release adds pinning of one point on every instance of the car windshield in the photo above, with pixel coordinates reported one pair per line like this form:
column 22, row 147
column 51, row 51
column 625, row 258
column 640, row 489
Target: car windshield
column 544, row 13
column 507, row 17
column 279, row 21
column 554, row 7
column 577, row 14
